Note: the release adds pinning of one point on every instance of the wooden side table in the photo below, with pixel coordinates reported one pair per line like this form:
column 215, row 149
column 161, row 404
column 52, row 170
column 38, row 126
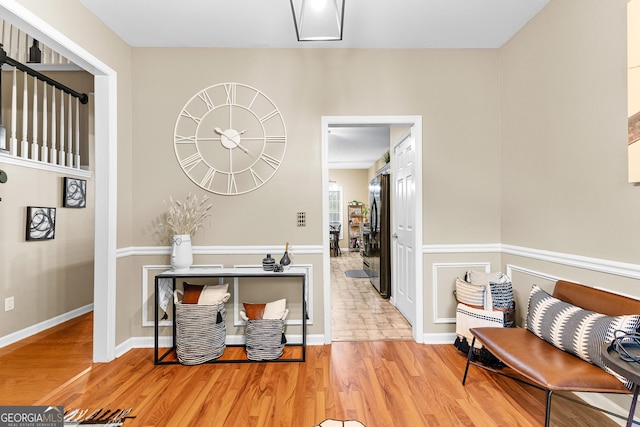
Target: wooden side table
column 629, row 370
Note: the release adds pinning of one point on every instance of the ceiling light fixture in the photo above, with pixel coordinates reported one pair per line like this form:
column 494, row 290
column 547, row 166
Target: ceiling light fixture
column 318, row 20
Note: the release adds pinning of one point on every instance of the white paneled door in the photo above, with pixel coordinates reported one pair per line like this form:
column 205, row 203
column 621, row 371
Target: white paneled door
column 404, row 220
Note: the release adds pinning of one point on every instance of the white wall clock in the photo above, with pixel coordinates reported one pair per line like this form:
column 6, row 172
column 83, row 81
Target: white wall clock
column 230, row 139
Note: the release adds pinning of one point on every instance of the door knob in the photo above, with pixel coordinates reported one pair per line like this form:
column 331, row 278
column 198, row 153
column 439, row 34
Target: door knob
column 394, row 235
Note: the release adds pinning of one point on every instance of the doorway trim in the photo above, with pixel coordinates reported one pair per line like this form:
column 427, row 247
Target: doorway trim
column 415, row 122
column 105, row 149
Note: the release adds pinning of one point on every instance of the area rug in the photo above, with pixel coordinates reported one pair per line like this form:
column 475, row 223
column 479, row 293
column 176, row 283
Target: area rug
column 356, row 274
column 338, row 423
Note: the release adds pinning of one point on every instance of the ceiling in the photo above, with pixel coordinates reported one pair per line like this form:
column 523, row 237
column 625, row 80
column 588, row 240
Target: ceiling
column 367, row 24
column 269, row 23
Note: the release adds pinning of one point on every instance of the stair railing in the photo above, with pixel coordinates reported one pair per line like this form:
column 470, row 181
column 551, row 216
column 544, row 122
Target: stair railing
column 63, row 152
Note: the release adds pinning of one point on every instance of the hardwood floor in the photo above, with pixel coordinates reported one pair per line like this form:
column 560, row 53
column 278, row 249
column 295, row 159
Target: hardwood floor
column 379, row 383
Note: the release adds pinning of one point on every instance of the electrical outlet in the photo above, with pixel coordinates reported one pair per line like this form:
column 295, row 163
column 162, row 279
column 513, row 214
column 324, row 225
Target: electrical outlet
column 8, row 304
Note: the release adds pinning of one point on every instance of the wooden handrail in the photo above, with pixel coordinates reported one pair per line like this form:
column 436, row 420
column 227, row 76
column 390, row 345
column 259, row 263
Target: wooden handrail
column 5, row 59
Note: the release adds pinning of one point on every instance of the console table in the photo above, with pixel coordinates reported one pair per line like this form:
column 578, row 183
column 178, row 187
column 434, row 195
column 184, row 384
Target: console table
column 234, row 273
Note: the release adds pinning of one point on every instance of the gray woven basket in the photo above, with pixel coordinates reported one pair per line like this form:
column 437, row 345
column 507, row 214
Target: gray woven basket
column 265, row 339
column 200, row 332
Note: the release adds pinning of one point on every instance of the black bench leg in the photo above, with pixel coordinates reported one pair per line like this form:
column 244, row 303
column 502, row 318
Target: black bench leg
column 469, row 357
column 547, row 417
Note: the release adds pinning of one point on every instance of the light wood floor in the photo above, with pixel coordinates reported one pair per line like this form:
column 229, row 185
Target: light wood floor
column 380, row 383
column 358, row 312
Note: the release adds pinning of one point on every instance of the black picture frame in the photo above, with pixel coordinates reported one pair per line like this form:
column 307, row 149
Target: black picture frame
column 41, row 223
column 75, row 193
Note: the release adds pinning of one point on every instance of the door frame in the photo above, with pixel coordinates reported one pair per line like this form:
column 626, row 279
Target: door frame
column 415, row 122
column 105, row 171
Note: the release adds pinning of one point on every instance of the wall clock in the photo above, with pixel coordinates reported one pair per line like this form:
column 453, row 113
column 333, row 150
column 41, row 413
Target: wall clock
column 230, row 139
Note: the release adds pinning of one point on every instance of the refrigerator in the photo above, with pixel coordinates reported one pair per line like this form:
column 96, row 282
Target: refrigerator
column 377, row 249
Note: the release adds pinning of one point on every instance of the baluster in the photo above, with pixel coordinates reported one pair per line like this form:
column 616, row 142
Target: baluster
column 13, row 141
column 45, row 148
column 61, row 157
column 77, row 151
column 24, row 148
column 35, row 149
column 54, row 152
column 69, row 134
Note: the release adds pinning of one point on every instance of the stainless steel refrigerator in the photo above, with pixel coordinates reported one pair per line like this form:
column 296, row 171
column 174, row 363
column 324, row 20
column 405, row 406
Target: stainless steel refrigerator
column 377, row 249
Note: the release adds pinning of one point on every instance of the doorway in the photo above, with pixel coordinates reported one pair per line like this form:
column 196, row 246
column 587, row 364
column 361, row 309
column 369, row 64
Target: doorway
column 414, row 123
column 105, row 142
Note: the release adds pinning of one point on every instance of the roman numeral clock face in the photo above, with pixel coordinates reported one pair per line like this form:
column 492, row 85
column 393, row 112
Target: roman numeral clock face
column 230, row 139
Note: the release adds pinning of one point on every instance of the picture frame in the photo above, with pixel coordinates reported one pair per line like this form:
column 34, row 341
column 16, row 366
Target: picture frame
column 41, row 223
column 75, row 193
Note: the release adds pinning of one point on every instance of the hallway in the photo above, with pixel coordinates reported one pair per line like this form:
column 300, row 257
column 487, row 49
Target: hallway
column 358, row 312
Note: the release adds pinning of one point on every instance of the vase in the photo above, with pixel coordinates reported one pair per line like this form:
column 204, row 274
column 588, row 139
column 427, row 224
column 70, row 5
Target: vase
column 285, row 261
column 268, row 263
column 181, row 253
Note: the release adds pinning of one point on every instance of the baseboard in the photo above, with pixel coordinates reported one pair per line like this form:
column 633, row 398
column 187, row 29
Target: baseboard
column 164, row 342
column 43, row 326
column 439, row 338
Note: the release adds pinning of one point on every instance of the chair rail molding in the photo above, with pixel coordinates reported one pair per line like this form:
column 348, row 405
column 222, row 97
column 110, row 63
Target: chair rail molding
column 589, row 263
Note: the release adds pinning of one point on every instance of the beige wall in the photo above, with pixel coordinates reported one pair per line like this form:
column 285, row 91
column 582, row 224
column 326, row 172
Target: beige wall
column 563, row 123
column 446, row 87
column 455, row 91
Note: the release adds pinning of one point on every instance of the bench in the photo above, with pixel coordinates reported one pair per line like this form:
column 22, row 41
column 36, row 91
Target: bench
column 540, row 364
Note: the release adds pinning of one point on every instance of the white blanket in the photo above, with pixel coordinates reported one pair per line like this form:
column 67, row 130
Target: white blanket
column 468, row 317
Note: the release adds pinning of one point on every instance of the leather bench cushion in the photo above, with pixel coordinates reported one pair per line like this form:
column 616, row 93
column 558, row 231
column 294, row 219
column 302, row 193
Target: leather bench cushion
column 545, row 365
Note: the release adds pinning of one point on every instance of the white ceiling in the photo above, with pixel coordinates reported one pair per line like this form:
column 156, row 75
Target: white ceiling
column 269, row 23
column 357, row 147
column 367, row 24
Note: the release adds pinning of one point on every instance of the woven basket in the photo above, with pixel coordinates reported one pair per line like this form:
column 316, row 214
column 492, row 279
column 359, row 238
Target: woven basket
column 200, row 332
column 265, row 339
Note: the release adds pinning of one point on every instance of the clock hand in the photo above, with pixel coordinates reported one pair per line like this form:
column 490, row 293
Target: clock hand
column 237, row 144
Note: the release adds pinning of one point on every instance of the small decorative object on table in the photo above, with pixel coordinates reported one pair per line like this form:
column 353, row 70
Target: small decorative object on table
column 268, row 263
column 181, row 221
column 285, row 261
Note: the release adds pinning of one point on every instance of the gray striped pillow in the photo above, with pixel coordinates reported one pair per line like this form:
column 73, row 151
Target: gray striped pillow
column 575, row 330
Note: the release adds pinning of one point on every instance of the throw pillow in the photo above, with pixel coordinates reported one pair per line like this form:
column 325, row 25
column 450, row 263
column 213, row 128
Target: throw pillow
column 482, row 278
column 213, row 295
column 470, row 294
column 575, row 330
column 204, row 294
column 501, row 295
column 275, row 309
column 254, row 311
column 191, row 293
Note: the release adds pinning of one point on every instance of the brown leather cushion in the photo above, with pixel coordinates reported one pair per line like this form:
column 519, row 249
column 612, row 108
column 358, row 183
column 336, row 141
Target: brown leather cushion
column 543, row 364
column 595, row 300
column 191, row 293
column 254, row 311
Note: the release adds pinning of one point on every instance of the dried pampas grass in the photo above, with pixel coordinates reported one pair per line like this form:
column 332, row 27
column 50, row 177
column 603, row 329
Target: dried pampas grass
column 186, row 217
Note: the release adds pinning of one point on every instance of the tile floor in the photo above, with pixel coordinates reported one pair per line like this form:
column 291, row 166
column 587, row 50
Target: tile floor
column 358, row 312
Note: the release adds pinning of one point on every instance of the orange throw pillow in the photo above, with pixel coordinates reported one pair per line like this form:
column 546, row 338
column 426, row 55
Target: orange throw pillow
column 254, row 311
column 191, row 293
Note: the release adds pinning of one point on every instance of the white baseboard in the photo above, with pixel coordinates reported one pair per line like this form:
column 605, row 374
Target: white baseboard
column 43, row 326
column 165, row 342
column 439, row 338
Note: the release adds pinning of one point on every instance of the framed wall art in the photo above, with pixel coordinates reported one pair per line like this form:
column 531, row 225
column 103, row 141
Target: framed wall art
column 75, row 193
column 41, row 223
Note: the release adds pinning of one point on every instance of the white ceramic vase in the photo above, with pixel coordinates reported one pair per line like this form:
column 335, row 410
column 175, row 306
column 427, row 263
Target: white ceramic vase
column 181, row 253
